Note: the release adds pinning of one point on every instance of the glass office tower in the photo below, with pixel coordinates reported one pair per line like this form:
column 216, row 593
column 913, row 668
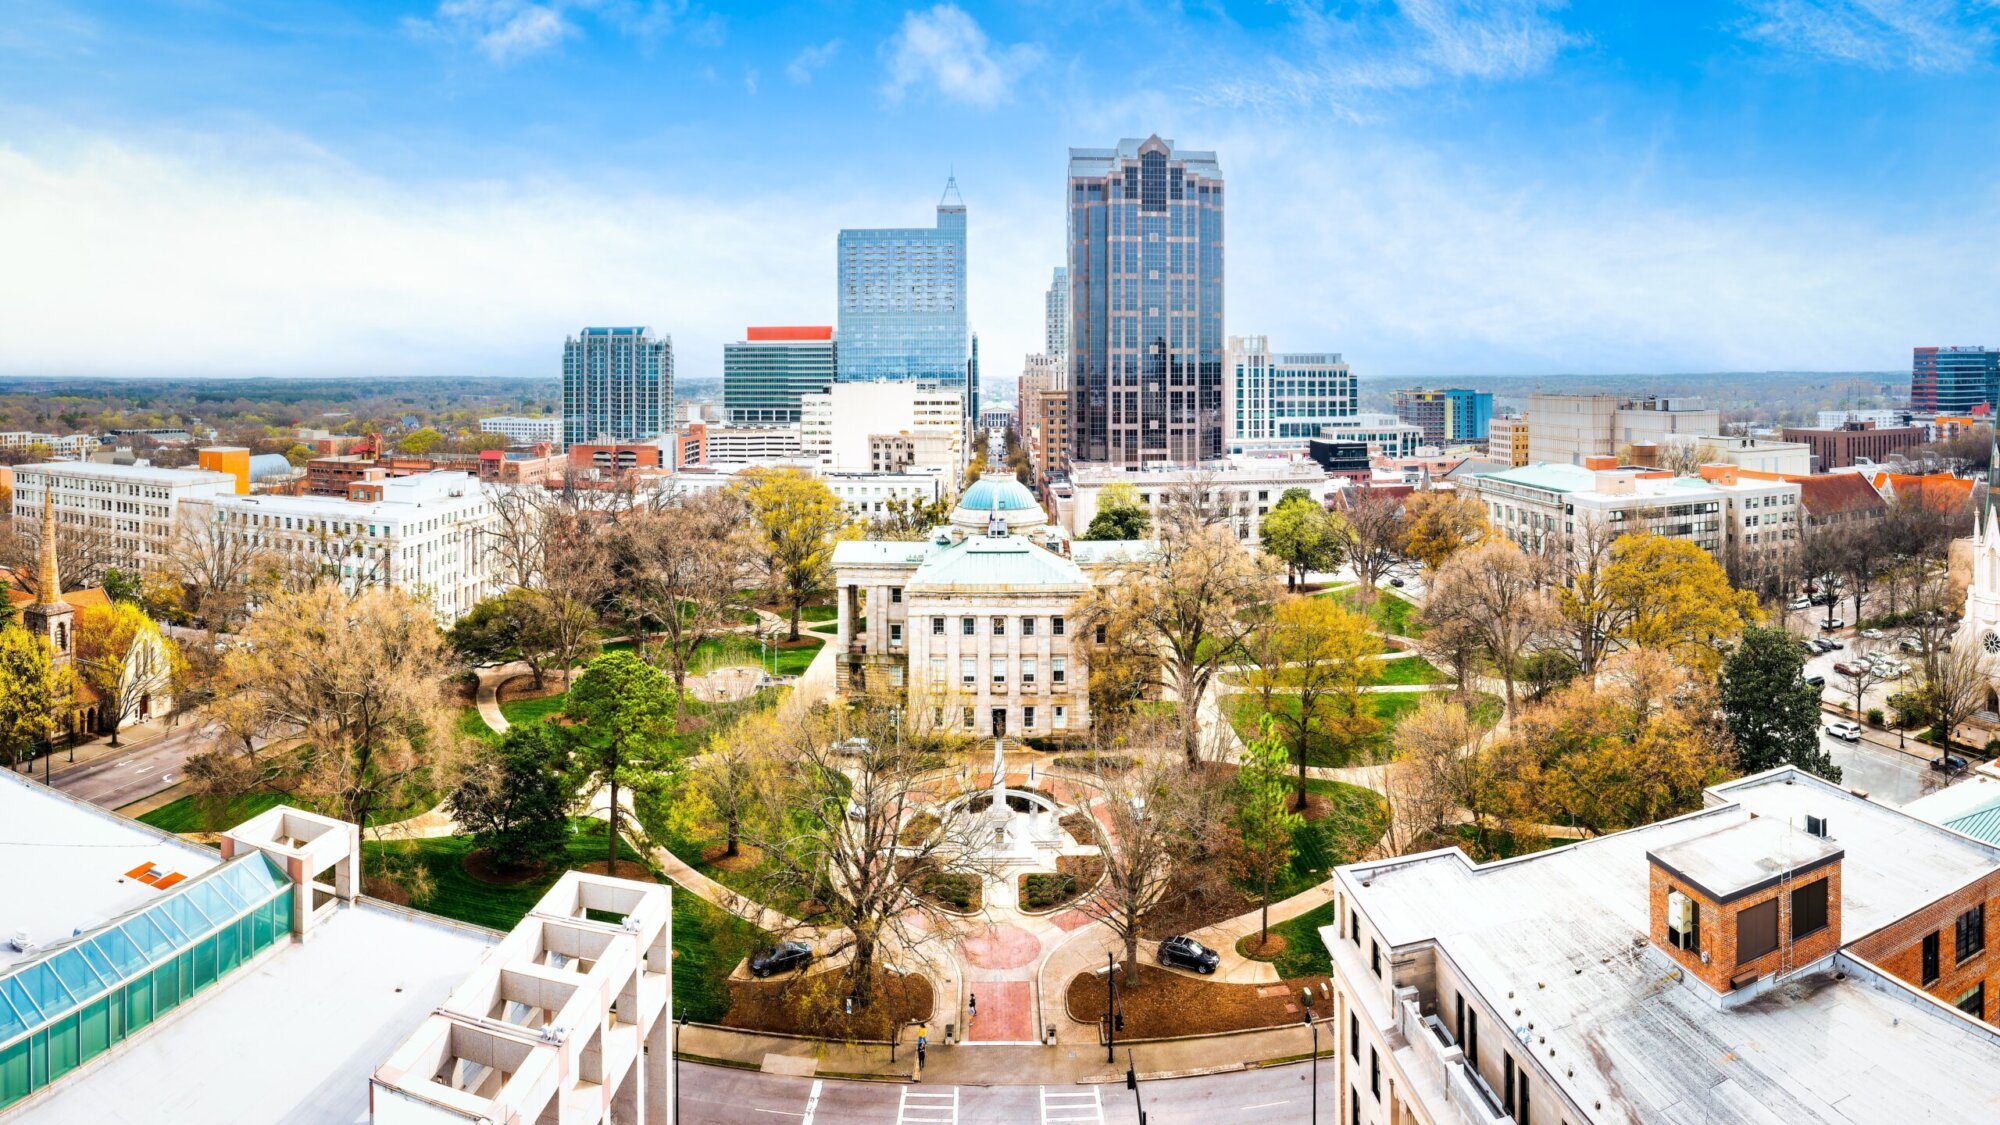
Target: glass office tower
column 1954, row 380
column 1145, row 281
column 618, row 385
column 765, row 374
column 1056, row 309
column 902, row 300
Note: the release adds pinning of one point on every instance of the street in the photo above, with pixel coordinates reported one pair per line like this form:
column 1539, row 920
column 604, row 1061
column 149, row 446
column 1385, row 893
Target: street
column 715, row 1095
column 119, row 779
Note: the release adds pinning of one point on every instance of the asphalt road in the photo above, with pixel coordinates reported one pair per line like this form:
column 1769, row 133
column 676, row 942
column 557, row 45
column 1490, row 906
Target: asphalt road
column 713, row 1095
column 1890, row 777
column 121, row 779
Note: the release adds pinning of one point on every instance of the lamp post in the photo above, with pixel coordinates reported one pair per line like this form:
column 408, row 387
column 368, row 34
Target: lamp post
column 1110, row 1007
column 1132, row 1084
column 1305, row 994
column 678, row 1024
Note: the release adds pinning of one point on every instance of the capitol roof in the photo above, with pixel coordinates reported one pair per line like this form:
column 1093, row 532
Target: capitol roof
column 998, row 492
column 1008, row 561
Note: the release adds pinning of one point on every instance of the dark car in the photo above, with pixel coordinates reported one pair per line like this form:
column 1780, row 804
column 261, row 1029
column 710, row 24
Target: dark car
column 781, row 958
column 1184, row 952
column 1948, row 763
column 1396, row 582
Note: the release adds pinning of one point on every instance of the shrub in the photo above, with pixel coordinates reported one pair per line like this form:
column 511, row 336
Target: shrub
column 954, row 890
column 1108, row 764
column 1042, row 890
column 1874, row 716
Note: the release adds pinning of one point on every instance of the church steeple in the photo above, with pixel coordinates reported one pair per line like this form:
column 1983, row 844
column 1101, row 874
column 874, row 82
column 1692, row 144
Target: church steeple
column 50, row 615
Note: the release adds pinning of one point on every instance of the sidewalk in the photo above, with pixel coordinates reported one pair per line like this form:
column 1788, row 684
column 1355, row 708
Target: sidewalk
column 131, row 737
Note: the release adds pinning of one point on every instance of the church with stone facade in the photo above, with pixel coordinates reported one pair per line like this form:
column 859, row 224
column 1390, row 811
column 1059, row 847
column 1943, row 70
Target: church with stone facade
column 975, row 629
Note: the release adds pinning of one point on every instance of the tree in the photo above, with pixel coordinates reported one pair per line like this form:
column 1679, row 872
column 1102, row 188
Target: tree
column 1120, row 515
column 1772, row 713
column 1373, row 539
column 1956, row 683
column 1303, row 535
column 1184, row 611
column 358, row 681
column 219, row 570
column 1315, row 652
column 729, row 776
column 1490, row 592
column 419, row 443
column 1674, row 597
column 1438, row 525
column 35, row 695
column 1589, row 613
column 515, row 802
column 1262, row 820
column 621, row 709
column 796, row 519
column 122, row 657
column 1437, row 772
column 681, row 565
column 910, row 518
column 1144, row 835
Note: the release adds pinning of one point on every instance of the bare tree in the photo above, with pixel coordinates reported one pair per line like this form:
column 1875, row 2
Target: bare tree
column 1196, row 500
column 219, row 570
column 1858, row 675
column 1436, row 774
column 679, row 567
column 1490, row 592
column 1589, row 614
column 1372, row 538
column 1956, row 685
column 1144, row 834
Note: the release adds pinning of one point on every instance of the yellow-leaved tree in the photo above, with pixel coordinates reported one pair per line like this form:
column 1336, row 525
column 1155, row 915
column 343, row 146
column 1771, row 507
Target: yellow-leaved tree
column 1677, row 599
column 121, row 655
column 796, row 520
column 35, row 696
column 1308, row 662
column 1438, row 525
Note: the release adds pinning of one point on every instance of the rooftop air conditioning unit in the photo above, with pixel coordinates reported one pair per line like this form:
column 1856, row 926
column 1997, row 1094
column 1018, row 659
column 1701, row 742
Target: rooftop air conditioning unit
column 1680, row 912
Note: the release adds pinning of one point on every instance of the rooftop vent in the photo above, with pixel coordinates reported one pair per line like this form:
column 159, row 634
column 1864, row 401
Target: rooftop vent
column 1816, row 826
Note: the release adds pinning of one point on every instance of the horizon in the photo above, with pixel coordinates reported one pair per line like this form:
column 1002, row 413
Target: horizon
column 425, row 188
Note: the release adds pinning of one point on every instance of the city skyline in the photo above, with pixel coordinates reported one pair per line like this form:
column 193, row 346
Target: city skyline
column 1516, row 189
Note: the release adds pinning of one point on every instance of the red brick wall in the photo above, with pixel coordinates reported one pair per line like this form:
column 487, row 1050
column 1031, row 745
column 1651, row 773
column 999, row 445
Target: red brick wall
column 1718, row 928
column 1898, row 948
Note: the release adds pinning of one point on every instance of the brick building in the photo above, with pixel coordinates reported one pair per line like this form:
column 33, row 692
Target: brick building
column 1855, row 441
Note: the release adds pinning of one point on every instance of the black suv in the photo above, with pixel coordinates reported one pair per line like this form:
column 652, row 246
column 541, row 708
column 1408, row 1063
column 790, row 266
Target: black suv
column 1948, row 763
column 1186, row 953
column 782, row 958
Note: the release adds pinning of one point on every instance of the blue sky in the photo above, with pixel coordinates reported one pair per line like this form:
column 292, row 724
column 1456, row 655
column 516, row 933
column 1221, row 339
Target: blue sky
column 1429, row 186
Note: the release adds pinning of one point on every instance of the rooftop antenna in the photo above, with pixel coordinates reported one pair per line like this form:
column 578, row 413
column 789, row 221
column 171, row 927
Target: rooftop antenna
column 951, row 188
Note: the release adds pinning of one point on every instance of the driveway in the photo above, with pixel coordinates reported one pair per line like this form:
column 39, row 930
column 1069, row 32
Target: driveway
column 1889, row 776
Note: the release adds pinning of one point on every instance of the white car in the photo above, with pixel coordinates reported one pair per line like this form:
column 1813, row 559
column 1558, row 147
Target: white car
column 1844, row 730
column 1799, row 603
column 1872, row 634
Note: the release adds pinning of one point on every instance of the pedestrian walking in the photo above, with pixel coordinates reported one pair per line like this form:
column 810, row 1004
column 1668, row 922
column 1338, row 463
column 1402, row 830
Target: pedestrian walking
column 971, row 1006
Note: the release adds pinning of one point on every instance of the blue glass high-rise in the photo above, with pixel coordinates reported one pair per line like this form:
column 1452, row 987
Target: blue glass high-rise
column 618, row 385
column 902, row 301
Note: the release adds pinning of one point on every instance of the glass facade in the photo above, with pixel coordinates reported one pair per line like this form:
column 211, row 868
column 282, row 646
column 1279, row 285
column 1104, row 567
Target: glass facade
column 902, row 301
column 1145, row 281
column 75, row 1001
column 1954, row 380
column 1447, row 416
column 618, row 384
column 766, row 374
column 1270, row 397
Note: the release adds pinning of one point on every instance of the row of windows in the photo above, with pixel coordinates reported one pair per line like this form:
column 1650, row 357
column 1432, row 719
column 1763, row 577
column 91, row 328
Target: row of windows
column 968, row 670
column 969, row 626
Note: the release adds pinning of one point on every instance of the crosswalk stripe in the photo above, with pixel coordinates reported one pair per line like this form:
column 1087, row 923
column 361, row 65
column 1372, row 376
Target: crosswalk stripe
column 1064, row 1106
column 927, row 1107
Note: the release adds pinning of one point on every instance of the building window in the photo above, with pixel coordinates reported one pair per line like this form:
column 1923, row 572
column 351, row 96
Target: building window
column 895, row 635
column 1973, row 1002
column 937, row 626
column 1971, row 932
column 1027, row 626
column 1058, row 670
column 968, row 718
column 968, row 671
column 1931, row 944
column 1060, row 720
column 1756, row 931
column 1027, row 671
column 937, row 718
column 1375, row 1074
column 1375, row 956
column 1809, row 909
column 895, row 595
column 1027, row 718
column 937, row 669
column 1000, row 672
column 896, row 675
column 1507, row 1084
column 1100, row 634
column 965, row 626
column 1056, row 626
column 999, row 626
column 1354, row 1035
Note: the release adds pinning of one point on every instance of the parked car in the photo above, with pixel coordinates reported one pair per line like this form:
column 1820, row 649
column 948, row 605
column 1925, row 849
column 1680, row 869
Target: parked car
column 1183, row 952
column 1844, row 730
column 1887, row 665
column 1845, row 669
column 1909, row 645
column 1799, row 603
column 1832, row 645
column 1832, row 623
column 1872, row 634
column 781, row 958
column 1396, row 582
column 1948, row 763
column 1818, row 646
column 1821, row 599
column 1816, row 681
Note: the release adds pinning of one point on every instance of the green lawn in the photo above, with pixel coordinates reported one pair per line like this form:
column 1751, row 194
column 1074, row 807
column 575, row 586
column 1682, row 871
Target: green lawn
column 1304, row 955
column 818, row 613
column 735, row 648
column 528, row 711
column 1387, row 708
column 1403, row 671
column 210, row 814
column 1391, row 613
column 472, row 725
column 1354, row 823
column 708, row 944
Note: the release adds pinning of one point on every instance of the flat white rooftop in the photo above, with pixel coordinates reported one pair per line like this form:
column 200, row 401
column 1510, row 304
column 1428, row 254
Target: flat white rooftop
column 292, row 1038
column 64, row 863
column 1562, row 936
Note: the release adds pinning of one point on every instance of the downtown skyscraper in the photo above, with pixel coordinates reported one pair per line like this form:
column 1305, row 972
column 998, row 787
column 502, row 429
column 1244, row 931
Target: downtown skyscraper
column 618, row 385
column 902, row 300
column 1954, row 380
column 1145, row 341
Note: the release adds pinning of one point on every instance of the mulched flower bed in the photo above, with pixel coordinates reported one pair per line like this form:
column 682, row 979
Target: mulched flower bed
column 815, row 1005
column 1074, row 876
column 1166, row 1003
column 517, row 688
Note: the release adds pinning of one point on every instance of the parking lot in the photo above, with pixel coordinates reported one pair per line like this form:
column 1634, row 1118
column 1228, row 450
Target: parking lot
column 1887, row 775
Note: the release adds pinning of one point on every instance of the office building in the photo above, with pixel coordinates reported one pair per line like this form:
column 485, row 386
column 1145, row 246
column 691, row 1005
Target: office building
column 420, row 534
column 865, row 495
column 126, row 512
column 1276, row 403
column 1146, row 293
column 1789, row 952
column 1039, row 374
column 1881, row 419
column 524, row 429
column 1855, row 443
column 976, row 626
column 972, row 380
column 1049, row 441
column 918, row 450
column 902, row 300
column 1385, row 435
column 1954, row 380
column 618, row 385
column 766, row 373
column 1569, row 429
column 744, row 445
column 1507, row 441
column 73, row 446
column 835, row 427
column 1447, row 417
column 1055, row 330
column 1241, row 493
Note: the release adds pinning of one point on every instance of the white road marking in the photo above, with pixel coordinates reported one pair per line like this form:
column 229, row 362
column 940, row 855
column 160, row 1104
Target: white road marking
column 1268, row 1105
column 916, row 1106
column 1072, row 1105
column 812, row 1102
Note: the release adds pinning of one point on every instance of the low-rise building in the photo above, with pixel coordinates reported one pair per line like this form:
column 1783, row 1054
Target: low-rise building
column 524, row 429
column 747, row 445
column 126, row 512
column 1855, row 443
column 1842, row 501
column 1240, row 493
column 1507, row 441
column 615, row 458
column 1792, row 952
column 421, row 534
column 1385, row 434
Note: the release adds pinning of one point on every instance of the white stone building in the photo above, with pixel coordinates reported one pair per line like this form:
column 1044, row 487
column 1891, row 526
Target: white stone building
column 835, row 427
column 975, row 627
column 127, row 510
column 748, row 445
column 1279, row 401
column 522, row 429
column 422, row 534
column 1247, row 489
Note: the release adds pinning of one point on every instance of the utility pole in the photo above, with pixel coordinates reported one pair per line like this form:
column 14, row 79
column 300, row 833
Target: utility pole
column 1306, row 995
column 1110, row 1007
column 1132, row 1084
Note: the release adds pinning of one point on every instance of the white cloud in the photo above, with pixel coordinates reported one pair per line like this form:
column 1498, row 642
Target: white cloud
column 1942, row 35
column 810, row 59
column 506, row 30
column 946, row 48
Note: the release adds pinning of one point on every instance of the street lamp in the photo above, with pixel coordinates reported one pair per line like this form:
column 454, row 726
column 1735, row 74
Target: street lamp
column 678, row 1024
column 1306, row 995
column 1110, row 1007
column 1132, row 1084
